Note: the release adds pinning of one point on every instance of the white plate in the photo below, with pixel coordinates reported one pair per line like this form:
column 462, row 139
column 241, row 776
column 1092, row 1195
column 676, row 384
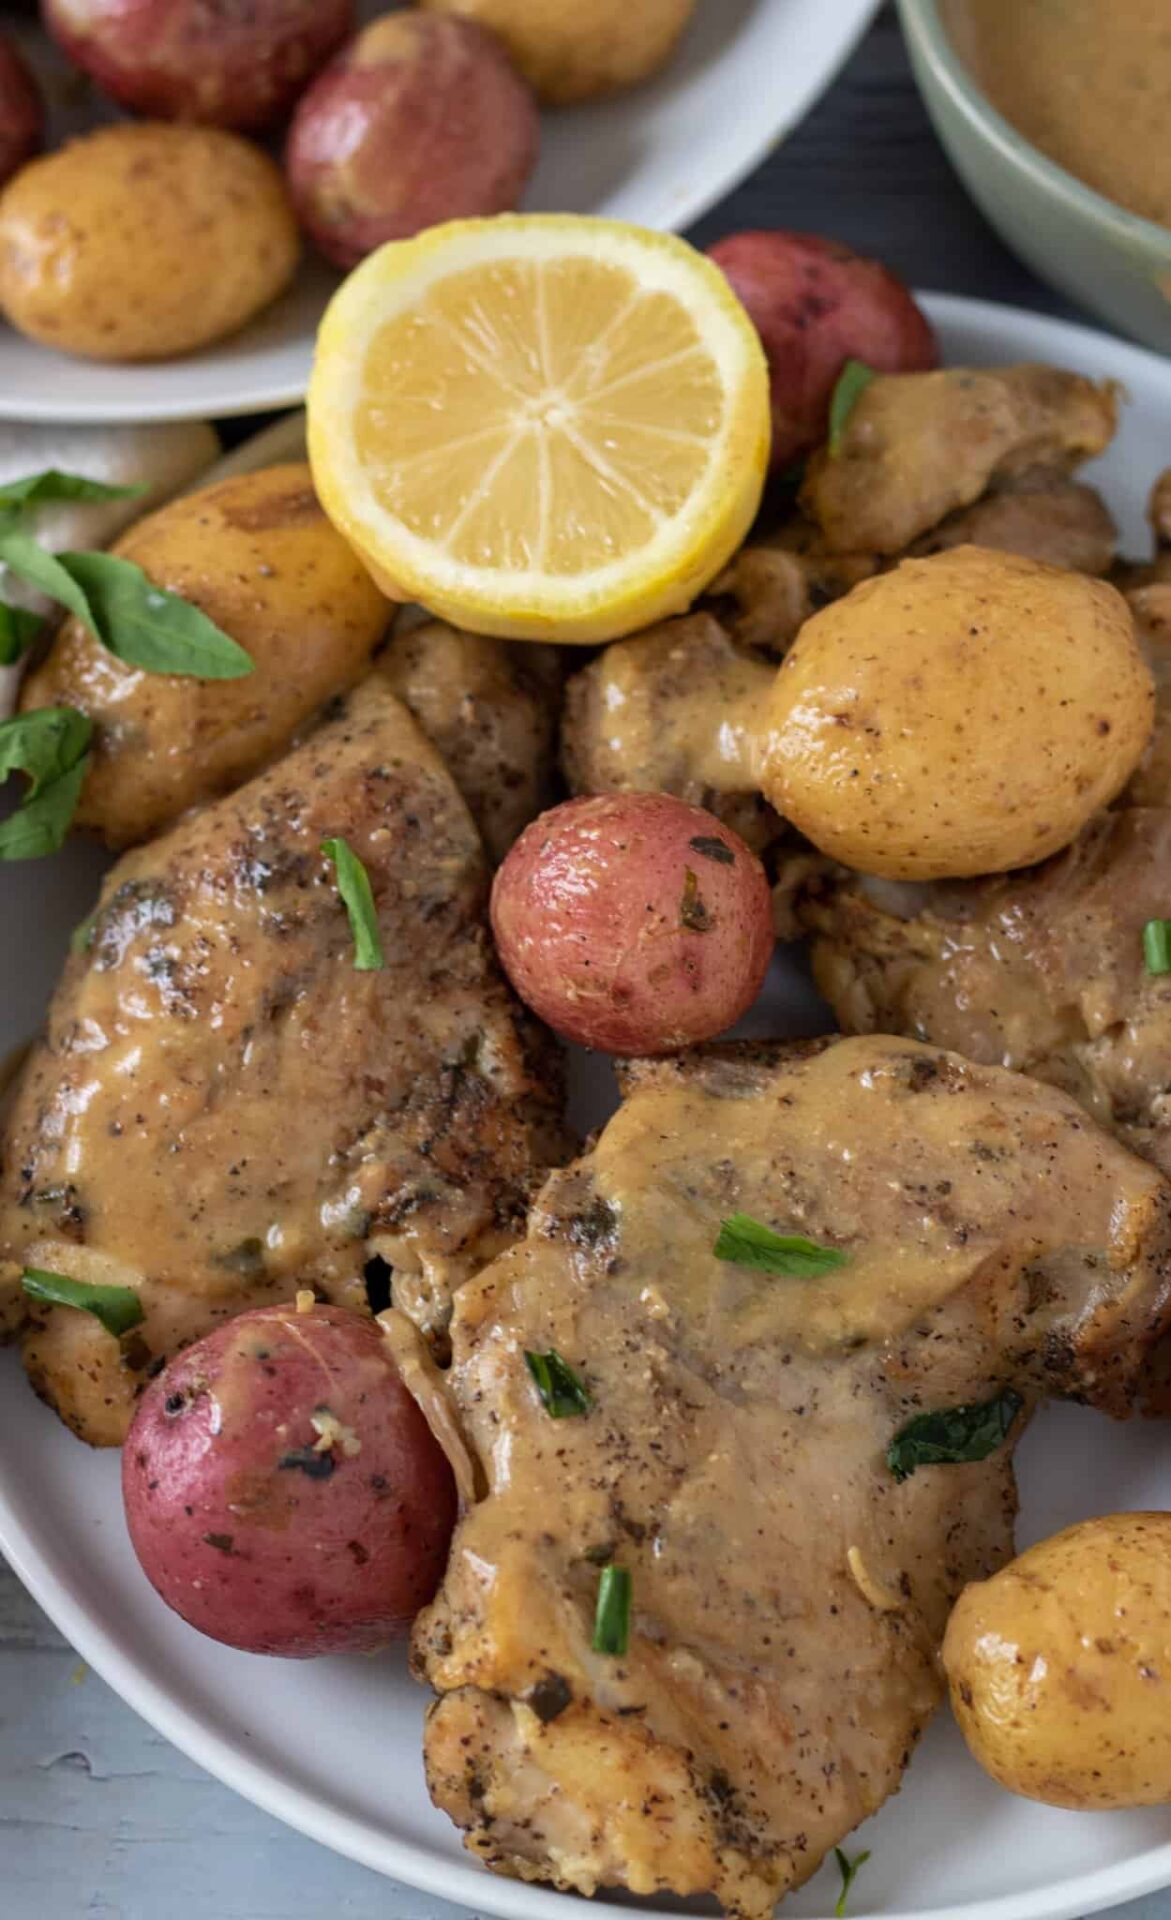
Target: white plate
column 333, row 1746
column 745, row 74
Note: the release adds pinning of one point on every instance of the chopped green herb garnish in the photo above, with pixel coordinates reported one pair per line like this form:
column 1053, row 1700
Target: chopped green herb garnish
column 563, row 1392
column 612, row 1613
column 849, row 1870
column 790, row 1256
column 713, row 849
column 18, row 630
column 118, row 1308
column 1157, row 946
column 43, row 489
column 952, row 1436
column 150, row 628
column 142, row 624
column 852, row 383
column 353, row 883
column 51, row 746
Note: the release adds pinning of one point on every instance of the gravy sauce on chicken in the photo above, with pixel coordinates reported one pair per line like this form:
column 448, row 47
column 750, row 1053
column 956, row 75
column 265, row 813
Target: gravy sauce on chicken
column 1086, row 81
column 788, row 1594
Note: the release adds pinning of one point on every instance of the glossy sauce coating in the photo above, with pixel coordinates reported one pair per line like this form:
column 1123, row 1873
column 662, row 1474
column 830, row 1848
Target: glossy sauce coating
column 788, row 1594
column 1087, row 81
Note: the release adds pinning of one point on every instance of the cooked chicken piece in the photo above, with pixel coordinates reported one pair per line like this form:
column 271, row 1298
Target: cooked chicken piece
column 491, row 709
column 224, row 1109
column 1042, row 515
column 771, row 587
column 675, row 709
column 1043, row 970
column 788, row 1595
column 918, row 446
column 1150, row 785
column 1129, row 574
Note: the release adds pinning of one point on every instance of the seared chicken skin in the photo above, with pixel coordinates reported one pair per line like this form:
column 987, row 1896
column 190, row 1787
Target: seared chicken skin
column 1042, row 970
column 1040, row 515
column 224, row 1109
column 788, row 1595
column 675, row 709
column 490, row 707
column 918, row 446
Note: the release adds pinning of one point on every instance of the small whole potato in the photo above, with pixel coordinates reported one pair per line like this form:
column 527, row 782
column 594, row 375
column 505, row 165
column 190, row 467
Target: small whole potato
column 141, row 242
column 258, row 555
column 22, row 111
column 632, row 922
column 817, row 304
column 283, row 1491
column 964, row 714
column 1060, row 1666
column 222, row 66
column 416, row 122
column 572, row 52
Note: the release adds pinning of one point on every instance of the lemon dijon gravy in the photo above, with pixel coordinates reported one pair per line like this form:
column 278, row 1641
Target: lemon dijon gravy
column 1086, row 81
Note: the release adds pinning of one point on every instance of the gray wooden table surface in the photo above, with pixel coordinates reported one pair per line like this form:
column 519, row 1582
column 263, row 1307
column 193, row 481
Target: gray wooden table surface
column 100, row 1819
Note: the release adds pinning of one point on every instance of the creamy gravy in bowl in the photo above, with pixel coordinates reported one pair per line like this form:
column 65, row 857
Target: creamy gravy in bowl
column 1088, row 82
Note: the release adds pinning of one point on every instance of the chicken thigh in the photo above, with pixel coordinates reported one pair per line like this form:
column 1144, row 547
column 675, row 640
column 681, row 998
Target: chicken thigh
column 726, row 1451
column 918, row 446
column 1041, row 970
column 225, row 1109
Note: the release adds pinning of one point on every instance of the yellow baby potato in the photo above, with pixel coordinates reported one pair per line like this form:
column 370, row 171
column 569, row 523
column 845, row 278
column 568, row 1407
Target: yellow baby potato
column 579, row 51
column 144, row 241
column 258, row 555
column 1060, row 1666
column 961, row 715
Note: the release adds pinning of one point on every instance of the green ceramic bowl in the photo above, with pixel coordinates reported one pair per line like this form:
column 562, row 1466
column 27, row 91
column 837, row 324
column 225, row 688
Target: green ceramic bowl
column 1108, row 260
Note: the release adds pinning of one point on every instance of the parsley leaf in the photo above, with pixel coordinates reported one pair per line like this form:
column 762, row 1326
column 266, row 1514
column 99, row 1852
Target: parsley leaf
column 790, row 1256
column 148, row 627
column 612, row 1612
column 51, row 746
column 40, row 489
column 952, row 1436
column 563, row 1392
column 852, row 383
column 118, row 1308
column 18, row 630
column 138, row 622
column 849, row 1870
column 1157, row 946
column 353, row 883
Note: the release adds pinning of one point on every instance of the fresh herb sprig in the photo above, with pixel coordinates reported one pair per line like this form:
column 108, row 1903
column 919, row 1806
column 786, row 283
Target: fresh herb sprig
column 852, row 383
column 118, row 1308
column 353, row 884
column 51, row 485
column 612, row 1612
column 1157, row 946
column 849, row 1870
column 562, row 1392
column 50, row 746
column 746, row 1242
column 952, row 1436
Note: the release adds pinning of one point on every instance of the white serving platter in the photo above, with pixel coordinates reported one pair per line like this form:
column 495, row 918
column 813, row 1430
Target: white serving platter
column 744, row 76
column 333, row 1746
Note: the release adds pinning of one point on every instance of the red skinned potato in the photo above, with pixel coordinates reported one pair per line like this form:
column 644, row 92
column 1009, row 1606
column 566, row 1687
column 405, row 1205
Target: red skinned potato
column 283, row 1491
column 22, row 111
column 817, row 304
column 419, row 120
column 633, row 922
column 238, row 66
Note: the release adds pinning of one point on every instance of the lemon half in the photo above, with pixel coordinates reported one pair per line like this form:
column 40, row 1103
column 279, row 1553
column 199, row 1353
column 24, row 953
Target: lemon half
column 542, row 427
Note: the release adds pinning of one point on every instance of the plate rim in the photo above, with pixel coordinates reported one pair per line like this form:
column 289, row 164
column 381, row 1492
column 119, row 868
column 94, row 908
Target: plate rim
column 269, row 397
column 464, row 1882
